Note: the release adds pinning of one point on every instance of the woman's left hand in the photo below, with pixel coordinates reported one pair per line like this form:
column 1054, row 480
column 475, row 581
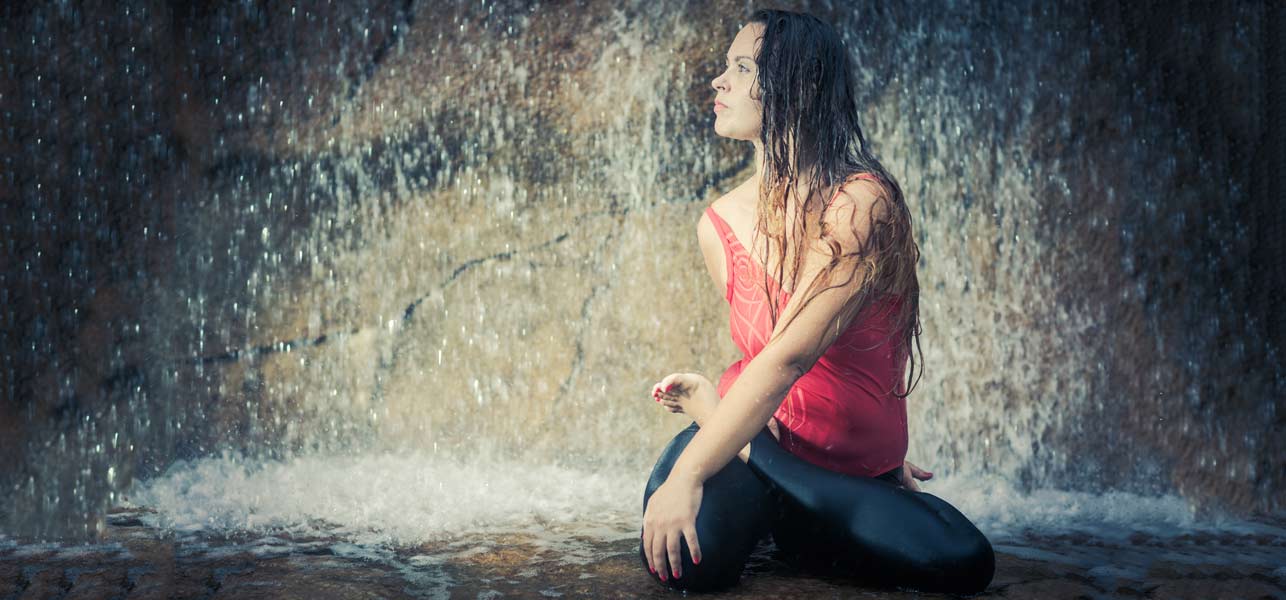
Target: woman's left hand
column 910, row 473
column 671, row 513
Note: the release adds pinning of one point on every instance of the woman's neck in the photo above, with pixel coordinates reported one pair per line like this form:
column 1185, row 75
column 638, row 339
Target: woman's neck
column 802, row 186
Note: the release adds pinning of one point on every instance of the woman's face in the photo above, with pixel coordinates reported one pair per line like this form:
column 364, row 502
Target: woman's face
column 738, row 114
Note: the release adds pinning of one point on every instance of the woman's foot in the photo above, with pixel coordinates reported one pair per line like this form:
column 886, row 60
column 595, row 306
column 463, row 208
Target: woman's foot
column 688, row 393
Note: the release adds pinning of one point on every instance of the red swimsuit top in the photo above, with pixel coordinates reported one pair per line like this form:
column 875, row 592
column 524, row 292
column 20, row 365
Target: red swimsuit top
column 842, row 414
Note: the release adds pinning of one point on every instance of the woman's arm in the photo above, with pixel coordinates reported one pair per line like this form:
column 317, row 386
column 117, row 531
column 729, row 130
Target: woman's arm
column 743, row 411
column 763, row 384
column 671, row 512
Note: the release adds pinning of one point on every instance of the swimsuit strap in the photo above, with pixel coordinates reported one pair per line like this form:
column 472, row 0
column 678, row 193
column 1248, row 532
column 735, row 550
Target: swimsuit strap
column 728, row 239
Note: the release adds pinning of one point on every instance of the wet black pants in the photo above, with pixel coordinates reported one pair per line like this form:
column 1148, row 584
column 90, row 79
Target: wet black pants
column 862, row 527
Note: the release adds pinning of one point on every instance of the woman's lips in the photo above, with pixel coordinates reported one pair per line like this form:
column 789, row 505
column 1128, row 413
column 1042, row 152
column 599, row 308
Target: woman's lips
column 719, row 106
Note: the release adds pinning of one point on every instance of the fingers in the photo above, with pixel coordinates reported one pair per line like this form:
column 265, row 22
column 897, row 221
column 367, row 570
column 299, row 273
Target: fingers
column 669, row 402
column 917, row 472
column 657, row 555
column 674, row 382
column 676, row 560
column 694, row 547
column 649, row 538
column 905, row 480
column 647, row 545
column 663, row 389
column 668, row 382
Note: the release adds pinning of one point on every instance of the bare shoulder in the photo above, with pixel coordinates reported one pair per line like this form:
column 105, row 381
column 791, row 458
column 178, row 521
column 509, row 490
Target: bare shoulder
column 730, row 202
column 711, row 246
column 855, row 208
column 707, row 236
column 859, row 194
column 705, row 227
column 730, row 207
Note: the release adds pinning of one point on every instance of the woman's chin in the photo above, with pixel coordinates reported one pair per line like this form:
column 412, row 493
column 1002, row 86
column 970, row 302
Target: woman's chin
column 724, row 131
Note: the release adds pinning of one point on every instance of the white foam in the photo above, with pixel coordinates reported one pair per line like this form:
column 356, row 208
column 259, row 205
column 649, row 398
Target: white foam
column 387, row 499
column 1004, row 513
column 415, row 498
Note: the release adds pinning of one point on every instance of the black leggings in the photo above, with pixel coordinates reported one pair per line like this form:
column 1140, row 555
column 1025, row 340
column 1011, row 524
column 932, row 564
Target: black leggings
column 864, row 527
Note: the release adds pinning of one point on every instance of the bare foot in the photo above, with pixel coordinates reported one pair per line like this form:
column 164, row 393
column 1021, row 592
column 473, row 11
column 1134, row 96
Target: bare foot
column 688, row 393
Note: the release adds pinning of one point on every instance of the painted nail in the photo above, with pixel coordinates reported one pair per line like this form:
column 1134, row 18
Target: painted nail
column 662, row 574
column 696, row 561
column 676, row 573
column 651, row 570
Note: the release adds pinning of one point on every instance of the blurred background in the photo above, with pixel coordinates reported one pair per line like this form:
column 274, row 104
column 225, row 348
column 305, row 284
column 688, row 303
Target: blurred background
column 396, row 270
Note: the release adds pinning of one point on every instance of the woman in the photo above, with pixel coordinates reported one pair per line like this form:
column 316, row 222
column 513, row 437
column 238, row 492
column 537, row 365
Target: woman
column 823, row 368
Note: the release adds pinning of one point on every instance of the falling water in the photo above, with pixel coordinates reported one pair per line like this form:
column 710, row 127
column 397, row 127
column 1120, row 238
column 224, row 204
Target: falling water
column 393, row 272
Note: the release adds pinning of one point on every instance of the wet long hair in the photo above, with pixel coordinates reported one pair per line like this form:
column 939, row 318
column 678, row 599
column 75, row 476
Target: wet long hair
column 810, row 129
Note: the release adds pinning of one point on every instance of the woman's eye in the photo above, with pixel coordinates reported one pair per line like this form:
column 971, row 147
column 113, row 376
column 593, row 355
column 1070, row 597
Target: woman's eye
column 743, row 68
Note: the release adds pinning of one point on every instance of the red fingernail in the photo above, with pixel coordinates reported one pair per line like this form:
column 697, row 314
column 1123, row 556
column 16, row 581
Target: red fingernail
column 663, row 576
column 651, row 570
column 696, row 561
column 676, row 573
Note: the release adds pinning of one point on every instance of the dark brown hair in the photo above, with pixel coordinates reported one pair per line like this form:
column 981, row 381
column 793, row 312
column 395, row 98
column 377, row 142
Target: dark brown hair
column 810, row 129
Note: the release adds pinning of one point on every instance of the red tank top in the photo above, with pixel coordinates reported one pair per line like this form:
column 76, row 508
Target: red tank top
column 842, row 414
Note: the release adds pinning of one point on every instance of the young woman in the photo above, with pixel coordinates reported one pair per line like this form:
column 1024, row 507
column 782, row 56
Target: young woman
column 824, row 304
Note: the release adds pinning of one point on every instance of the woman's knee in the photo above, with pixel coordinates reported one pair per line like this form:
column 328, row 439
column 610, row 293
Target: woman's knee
column 735, row 513
column 966, row 561
column 664, row 463
column 720, row 568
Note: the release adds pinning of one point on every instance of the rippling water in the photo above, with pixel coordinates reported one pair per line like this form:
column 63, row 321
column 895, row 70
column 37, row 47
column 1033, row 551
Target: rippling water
column 439, row 527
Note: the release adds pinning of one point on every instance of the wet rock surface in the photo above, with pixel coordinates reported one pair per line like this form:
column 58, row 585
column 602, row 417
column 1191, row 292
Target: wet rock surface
column 134, row 560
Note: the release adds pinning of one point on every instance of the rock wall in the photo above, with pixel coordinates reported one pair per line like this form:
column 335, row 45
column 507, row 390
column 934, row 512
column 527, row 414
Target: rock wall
column 273, row 229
